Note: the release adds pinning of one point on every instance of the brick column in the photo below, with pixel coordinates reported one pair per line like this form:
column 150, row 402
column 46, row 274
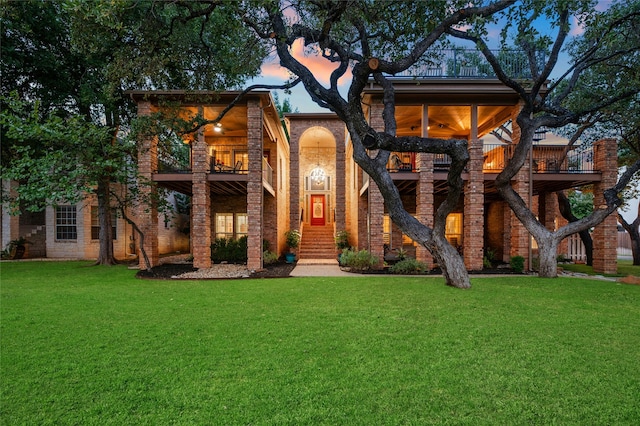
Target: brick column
column 294, row 178
column 340, row 186
column 605, row 235
column 147, row 215
column 376, row 218
column 200, row 204
column 473, row 217
column 376, row 202
column 255, row 192
column 425, row 201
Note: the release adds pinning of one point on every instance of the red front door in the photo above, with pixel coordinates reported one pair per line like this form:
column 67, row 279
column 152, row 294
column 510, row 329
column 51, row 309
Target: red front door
column 317, row 210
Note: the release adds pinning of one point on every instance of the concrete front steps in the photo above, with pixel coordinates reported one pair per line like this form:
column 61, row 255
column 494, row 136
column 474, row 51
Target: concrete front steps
column 317, row 243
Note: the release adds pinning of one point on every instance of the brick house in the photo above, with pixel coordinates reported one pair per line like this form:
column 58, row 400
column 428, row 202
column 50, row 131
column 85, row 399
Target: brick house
column 462, row 108
column 238, row 176
column 71, row 231
column 246, row 177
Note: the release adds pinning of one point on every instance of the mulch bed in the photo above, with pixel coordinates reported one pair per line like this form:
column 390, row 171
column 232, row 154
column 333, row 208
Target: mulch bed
column 169, row 270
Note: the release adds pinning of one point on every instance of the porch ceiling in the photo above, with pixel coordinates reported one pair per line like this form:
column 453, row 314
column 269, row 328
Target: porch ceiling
column 450, row 121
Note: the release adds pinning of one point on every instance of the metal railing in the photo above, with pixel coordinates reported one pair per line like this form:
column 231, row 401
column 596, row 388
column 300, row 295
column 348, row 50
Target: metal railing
column 229, row 159
column 545, row 159
column 471, row 63
column 267, row 172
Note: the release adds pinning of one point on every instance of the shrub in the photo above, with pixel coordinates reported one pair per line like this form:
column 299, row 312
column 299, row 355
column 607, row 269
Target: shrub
column 358, row 261
column 517, row 264
column 269, row 257
column 409, row 267
column 227, row 250
column 402, row 254
column 486, row 263
column 489, row 258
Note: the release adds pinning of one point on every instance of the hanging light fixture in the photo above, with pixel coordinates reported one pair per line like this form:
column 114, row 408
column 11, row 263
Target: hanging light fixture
column 317, row 174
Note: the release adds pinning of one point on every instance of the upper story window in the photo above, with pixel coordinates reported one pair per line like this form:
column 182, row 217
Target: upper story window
column 66, row 223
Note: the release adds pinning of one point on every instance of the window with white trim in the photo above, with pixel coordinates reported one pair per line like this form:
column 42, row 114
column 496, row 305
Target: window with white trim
column 66, row 220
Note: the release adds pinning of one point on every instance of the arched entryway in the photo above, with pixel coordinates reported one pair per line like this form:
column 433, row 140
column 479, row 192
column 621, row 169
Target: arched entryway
column 318, row 176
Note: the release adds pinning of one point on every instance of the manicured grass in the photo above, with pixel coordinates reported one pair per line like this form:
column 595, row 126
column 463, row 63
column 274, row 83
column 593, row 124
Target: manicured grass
column 95, row 346
column 625, row 268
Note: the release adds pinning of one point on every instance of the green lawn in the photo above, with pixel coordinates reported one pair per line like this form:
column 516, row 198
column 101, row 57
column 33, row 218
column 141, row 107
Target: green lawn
column 94, row 346
column 625, row 268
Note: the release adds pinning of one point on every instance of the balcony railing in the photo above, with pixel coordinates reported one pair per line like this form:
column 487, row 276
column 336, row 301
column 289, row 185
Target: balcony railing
column 267, row 172
column 470, row 63
column 545, row 159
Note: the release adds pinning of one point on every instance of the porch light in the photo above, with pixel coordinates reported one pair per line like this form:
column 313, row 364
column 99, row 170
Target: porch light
column 217, row 128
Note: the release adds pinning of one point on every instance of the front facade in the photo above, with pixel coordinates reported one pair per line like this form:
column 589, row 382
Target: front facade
column 247, row 177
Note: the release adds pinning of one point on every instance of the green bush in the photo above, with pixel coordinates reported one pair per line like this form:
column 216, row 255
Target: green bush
column 409, row 267
column 517, row 264
column 269, row 257
column 358, row 261
column 231, row 251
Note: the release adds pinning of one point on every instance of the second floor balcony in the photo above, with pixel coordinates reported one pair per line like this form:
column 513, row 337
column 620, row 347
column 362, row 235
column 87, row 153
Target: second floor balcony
column 228, row 169
column 547, row 159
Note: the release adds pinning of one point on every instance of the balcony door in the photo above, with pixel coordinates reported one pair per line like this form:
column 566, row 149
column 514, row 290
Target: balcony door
column 318, row 210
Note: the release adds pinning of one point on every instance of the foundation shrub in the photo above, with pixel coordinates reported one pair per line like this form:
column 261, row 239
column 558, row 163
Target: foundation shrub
column 228, row 250
column 409, row 267
column 517, row 264
column 269, row 257
column 358, row 261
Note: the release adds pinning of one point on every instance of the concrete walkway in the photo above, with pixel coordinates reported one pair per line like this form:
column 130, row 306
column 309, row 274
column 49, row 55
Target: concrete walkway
column 318, row 268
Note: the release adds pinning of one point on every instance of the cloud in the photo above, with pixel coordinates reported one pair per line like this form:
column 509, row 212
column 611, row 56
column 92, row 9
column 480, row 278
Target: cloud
column 311, row 58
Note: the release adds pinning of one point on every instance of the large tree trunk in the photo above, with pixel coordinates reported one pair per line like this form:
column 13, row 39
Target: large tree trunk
column 547, row 254
column 452, row 265
column 105, row 255
column 585, row 236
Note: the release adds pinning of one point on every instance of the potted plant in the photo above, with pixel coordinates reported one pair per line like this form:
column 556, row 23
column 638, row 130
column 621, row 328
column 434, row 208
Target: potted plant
column 293, row 241
column 342, row 240
column 15, row 249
